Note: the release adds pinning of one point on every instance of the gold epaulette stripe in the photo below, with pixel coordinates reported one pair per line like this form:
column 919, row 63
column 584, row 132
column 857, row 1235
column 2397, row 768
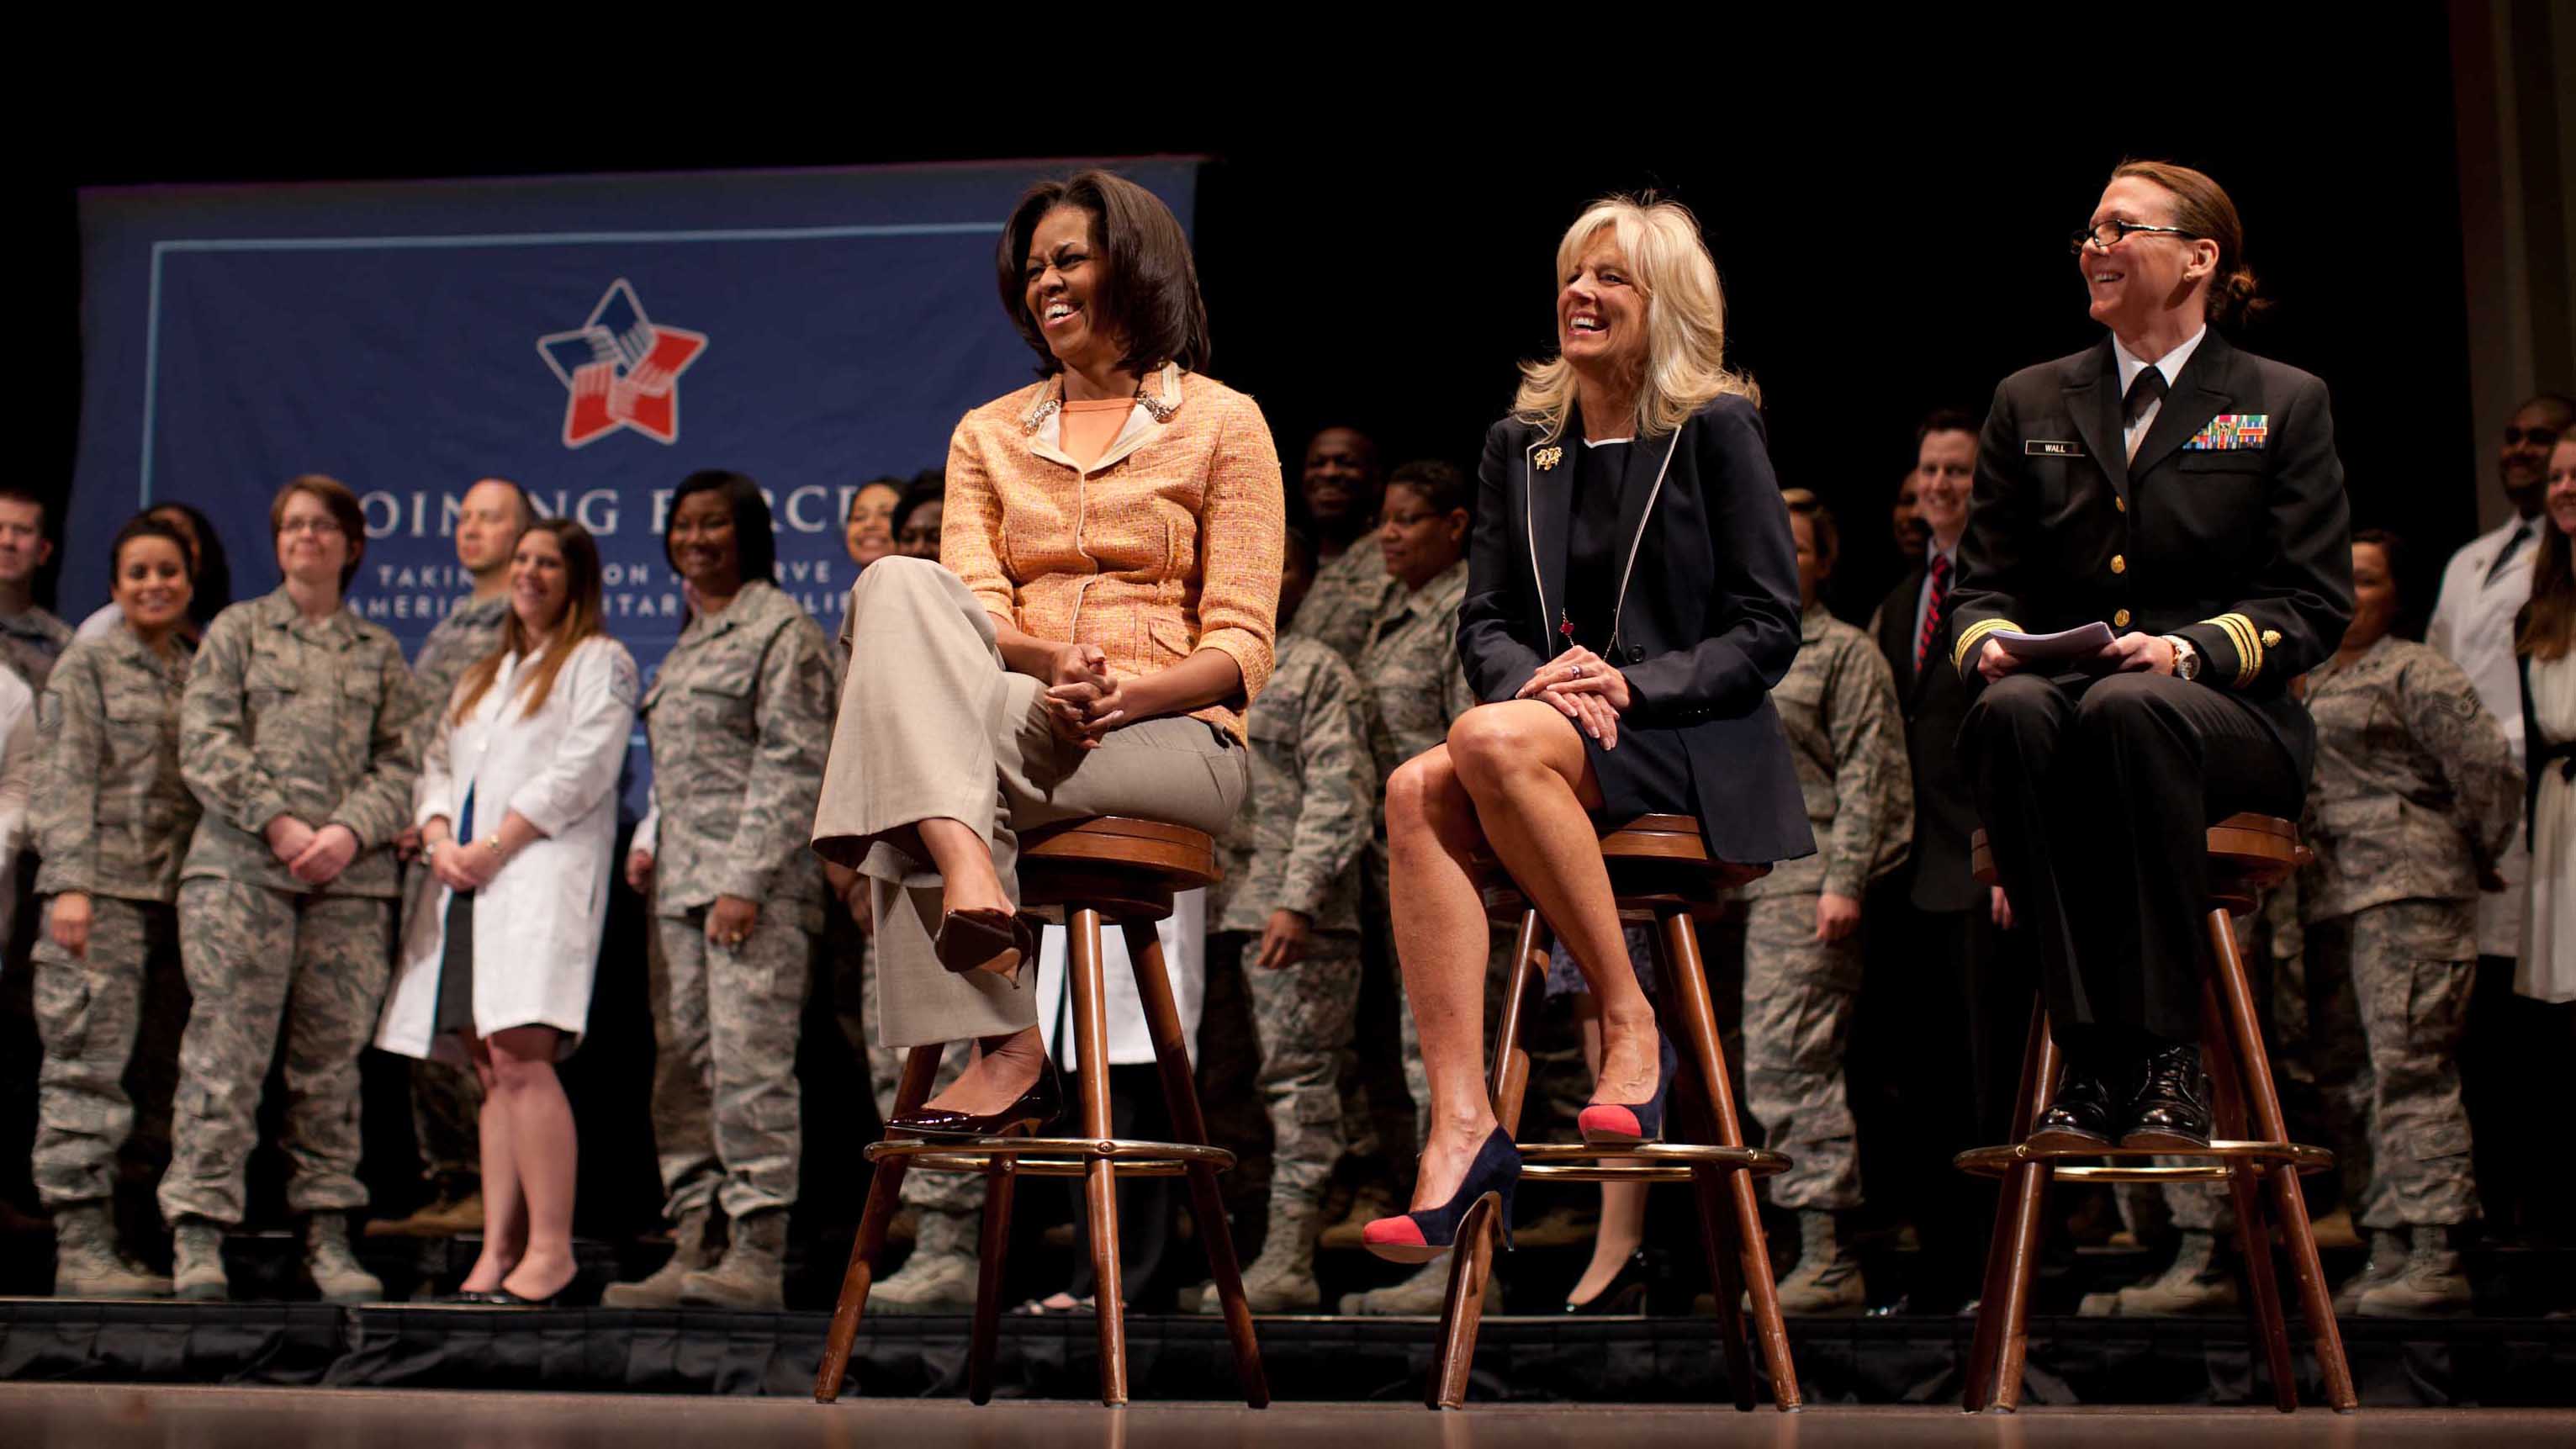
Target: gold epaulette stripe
column 2249, row 646
column 1977, row 632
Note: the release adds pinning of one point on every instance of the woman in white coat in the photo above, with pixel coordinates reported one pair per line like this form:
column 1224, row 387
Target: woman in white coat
column 517, row 811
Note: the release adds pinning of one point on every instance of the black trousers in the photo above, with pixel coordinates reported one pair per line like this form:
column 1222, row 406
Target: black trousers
column 2097, row 794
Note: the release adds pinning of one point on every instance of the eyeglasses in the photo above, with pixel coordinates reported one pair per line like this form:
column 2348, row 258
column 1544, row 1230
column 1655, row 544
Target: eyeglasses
column 309, row 525
column 2536, row 437
column 2111, row 233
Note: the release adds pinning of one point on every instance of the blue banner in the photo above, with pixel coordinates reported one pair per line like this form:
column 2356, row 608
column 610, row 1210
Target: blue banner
column 594, row 339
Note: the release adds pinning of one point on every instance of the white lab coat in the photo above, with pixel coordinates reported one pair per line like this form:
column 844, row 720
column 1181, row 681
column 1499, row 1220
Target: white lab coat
column 1184, row 937
column 2472, row 626
column 537, row 924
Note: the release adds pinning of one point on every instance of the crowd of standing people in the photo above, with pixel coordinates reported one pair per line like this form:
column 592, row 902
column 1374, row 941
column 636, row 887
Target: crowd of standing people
column 1346, row 684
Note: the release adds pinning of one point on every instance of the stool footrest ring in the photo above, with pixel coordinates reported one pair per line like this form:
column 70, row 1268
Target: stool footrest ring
column 1052, row 1156
column 1645, row 1162
column 2217, row 1162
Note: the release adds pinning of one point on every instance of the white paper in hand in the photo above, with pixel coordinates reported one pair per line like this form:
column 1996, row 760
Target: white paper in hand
column 2076, row 643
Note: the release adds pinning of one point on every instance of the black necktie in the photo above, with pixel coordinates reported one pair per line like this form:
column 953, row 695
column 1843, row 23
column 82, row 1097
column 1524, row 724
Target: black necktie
column 2504, row 556
column 2143, row 393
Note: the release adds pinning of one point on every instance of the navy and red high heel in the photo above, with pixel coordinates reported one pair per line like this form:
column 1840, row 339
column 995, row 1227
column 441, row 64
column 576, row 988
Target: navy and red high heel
column 1419, row 1237
column 1626, row 1124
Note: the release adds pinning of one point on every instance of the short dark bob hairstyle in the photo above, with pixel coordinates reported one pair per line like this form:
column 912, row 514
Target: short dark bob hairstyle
column 1149, row 289
column 755, row 536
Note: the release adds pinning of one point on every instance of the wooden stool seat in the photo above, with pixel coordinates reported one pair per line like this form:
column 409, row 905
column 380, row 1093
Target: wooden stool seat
column 1660, row 873
column 2248, row 854
column 1084, row 871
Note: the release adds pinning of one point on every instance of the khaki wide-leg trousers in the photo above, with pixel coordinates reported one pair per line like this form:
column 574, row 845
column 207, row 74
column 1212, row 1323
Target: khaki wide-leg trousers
column 933, row 727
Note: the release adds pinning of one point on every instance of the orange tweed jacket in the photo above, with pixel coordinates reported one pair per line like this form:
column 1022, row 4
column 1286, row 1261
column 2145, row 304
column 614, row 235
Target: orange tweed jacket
column 1168, row 544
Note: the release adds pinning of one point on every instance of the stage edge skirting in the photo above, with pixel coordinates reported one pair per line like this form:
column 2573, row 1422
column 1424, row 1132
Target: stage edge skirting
column 2494, row 1362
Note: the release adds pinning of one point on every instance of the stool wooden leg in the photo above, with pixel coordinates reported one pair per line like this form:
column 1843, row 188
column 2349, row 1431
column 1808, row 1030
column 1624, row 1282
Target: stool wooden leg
column 1688, row 981
column 1091, row 1049
column 1207, row 1204
column 2253, row 1236
column 885, row 1187
column 1696, row 1120
column 1001, row 1177
column 2003, row 1312
column 2316, row 1301
column 1462, row 1308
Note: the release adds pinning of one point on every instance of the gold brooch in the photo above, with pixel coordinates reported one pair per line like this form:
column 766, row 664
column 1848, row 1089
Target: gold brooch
column 1547, row 457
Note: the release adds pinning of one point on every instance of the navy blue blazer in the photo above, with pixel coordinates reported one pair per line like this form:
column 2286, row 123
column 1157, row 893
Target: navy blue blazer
column 1707, row 614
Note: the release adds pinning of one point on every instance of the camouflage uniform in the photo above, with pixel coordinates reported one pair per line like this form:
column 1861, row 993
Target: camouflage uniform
column 2414, row 791
column 111, row 817
column 284, row 716
column 31, row 641
column 740, row 717
column 1838, row 705
column 446, row 1100
column 1350, row 591
column 1296, row 847
column 1416, row 689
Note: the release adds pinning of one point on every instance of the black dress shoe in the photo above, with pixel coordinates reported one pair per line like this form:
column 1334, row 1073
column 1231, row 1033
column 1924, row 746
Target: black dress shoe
column 2171, row 1111
column 2079, row 1118
column 1625, row 1293
column 1036, row 1109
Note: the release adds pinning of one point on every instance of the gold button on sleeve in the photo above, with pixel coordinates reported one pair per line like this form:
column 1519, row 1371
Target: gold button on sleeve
column 2119, row 564
column 2120, row 503
column 2271, row 638
column 2120, row 619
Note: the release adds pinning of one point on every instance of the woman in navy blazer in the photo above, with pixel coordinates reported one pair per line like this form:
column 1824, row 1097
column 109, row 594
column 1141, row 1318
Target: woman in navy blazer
column 1632, row 597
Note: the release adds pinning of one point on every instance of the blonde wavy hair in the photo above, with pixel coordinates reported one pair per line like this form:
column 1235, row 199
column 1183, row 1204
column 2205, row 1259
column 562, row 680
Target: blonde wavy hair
column 1685, row 318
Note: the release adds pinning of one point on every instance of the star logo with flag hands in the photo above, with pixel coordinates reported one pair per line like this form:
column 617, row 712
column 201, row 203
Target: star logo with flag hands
column 620, row 369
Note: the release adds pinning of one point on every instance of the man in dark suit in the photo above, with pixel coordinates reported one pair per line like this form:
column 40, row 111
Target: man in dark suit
column 2188, row 495
column 1934, row 1043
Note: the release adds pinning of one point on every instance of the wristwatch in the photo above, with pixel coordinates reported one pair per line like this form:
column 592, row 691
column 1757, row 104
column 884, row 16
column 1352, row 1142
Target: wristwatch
column 2186, row 658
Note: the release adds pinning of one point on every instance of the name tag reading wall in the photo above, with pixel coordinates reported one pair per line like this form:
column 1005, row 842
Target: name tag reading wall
column 595, row 339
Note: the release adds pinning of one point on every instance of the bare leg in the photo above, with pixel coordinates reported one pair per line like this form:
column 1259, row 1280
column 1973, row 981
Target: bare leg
column 1004, row 1067
column 965, row 863
column 1441, row 942
column 504, row 1218
column 1525, row 767
column 545, row 1150
column 1623, row 1204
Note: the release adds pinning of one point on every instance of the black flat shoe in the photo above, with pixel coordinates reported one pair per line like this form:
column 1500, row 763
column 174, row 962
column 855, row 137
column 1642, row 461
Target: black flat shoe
column 465, row 1297
column 2171, row 1111
column 972, row 940
column 1035, row 1111
column 1419, row 1237
column 504, row 1298
column 1624, row 1295
column 2079, row 1118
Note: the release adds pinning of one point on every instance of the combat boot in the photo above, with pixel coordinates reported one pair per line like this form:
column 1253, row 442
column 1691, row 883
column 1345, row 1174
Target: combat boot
column 1420, row 1296
column 87, row 1263
column 754, row 1265
column 2431, row 1283
column 939, row 1277
column 1827, row 1279
column 2198, row 1282
column 333, row 1268
column 1370, row 1201
column 197, row 1262
column 2387, row 1260
column 661, row 1288
column 1282, row 1279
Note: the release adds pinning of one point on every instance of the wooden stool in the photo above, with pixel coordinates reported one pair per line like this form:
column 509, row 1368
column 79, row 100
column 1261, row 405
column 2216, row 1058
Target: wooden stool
column 2248, row 854
column 1124, row 871
column 1661, row 873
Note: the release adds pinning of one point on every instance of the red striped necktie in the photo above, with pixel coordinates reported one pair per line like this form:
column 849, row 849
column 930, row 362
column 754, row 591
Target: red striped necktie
column 1932, row 612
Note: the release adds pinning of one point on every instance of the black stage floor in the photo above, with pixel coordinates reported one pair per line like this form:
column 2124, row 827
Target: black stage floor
column 61, row 1416
column 2491, row 1362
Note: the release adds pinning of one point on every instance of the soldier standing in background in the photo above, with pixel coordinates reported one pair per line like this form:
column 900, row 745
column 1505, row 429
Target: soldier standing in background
column 1292, row 886
column 446, row 1099
column 740, row 716
column 1340, row 487
column 295, row 736
column 1415, row 689
column 2415, row 798
column 31, row 638
column 1802, row 956
column 111, row 816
